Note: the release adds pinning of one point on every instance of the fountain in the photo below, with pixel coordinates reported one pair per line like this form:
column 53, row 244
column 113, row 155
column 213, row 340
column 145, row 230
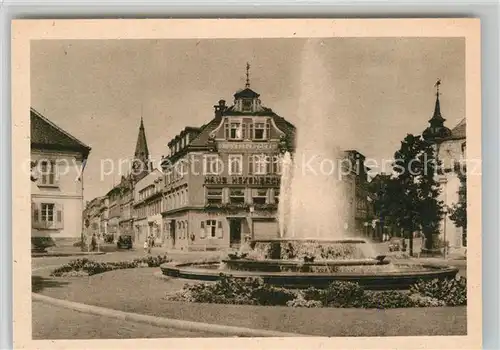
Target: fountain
column 314, row 248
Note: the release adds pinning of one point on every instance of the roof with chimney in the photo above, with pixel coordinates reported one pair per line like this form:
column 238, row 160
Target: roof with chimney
column 47, row 135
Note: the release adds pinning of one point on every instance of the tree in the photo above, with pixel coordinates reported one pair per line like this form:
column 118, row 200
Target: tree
column 458, row 212
column 411, row 195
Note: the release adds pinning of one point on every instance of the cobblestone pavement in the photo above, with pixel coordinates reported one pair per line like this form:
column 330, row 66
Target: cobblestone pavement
column 52, row 322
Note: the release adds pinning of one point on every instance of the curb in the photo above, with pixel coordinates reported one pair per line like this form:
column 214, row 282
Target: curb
column 163, row 322
column 55, row 255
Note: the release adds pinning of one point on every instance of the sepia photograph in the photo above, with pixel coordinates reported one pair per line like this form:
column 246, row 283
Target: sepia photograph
column 303, row 184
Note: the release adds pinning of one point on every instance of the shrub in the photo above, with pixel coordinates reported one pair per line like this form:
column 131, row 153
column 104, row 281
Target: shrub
column 40, row 244
column 386, row 300
column 299, row 301
column 452, row 292
column 343, row 294
column 424, row 301
column 92, row 267
column 230, row 290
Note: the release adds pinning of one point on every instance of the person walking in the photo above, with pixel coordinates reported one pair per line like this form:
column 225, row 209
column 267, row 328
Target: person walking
column 93, row 242
column 146, row 247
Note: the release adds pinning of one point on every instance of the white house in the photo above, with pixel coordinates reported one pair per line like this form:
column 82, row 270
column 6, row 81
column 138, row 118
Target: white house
column 57, row 161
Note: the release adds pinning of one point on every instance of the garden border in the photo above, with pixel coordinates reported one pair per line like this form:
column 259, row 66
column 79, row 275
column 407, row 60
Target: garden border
column 163, row 322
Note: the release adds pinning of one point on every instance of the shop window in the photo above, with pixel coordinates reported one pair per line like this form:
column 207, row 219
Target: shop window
column 211, row 227
column 259, row 195
column 214, row 195
column 235, row 164
column 212, row 165
column 237, row 195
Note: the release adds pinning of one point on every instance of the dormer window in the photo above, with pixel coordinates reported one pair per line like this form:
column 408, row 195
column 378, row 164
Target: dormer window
column 247, row 105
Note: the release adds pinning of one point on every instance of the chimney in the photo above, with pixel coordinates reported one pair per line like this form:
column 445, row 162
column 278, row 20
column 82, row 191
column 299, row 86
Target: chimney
column 220, row 108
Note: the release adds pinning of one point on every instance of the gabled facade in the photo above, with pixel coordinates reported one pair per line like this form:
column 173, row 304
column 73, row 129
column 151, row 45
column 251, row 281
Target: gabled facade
column 57, row 160
column 222, row 180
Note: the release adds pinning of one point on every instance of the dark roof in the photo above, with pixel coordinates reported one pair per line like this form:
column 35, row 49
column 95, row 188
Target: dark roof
column 47, row 135
column 246, row 93
column 458, row 132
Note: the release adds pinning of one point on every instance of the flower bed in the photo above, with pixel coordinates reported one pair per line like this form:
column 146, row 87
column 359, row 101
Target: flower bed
column 253, row 291
column 88, row 267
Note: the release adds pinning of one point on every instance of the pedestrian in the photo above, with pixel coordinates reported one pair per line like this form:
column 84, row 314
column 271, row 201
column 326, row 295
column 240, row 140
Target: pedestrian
column 93, row 242
column 146, row 247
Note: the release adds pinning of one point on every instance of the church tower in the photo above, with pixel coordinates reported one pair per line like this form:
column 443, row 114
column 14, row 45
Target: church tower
column 141, row 165
column 436, row 131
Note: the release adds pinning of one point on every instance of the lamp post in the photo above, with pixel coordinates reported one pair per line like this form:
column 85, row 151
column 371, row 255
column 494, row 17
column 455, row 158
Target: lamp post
column 251, row 209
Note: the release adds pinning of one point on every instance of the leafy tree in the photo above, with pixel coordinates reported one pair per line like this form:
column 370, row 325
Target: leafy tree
column 458, row 212
column 411, row 195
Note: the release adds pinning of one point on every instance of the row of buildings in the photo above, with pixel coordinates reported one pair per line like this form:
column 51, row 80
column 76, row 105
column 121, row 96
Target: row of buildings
column 219, row 184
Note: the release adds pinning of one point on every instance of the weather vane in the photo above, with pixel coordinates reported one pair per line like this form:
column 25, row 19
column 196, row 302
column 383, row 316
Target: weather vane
column 248, row 76
column 438, row 83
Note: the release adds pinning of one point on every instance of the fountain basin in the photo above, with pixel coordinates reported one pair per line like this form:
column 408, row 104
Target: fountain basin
column 405, row 275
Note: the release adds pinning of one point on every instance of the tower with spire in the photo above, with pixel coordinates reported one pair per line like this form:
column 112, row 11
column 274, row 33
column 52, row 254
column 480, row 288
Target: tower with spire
column 436, row 130
column 141, row 165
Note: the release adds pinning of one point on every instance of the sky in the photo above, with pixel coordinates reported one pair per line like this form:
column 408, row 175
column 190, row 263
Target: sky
column 370, row 92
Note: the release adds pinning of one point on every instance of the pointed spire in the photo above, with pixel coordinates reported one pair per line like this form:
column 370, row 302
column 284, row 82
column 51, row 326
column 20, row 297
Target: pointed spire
column 247, row 85
column 437, row 117
column 141, row 162
column 436, row 129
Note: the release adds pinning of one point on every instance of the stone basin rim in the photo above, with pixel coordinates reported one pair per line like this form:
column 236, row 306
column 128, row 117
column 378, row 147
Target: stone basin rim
column 429, row 270
column 309, row 240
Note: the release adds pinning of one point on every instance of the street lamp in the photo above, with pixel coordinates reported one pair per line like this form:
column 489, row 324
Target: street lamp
column 251, row 209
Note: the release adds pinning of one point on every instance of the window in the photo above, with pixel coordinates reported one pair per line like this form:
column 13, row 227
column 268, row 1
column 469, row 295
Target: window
column 48, row 172
column 212, row 165
column 259, row 131
column 235, row 131
column 235, row 164
column 47, row 212
column 276, row 195
column 259, row 195
column 202, row 230
column 258, row 164
column 214, row 195
column 237, row 195
column 247, row 105
column 276, row 166
column 211, row 227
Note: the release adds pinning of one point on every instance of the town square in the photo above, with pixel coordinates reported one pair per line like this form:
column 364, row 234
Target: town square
column 296, row 187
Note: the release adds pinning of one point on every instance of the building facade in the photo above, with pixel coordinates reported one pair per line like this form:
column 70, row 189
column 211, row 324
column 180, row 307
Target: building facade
column 147, row 207
column 450, row 146
column 222, row 181
column 57, row 160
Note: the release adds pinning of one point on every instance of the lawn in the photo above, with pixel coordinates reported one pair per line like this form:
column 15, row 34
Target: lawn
column 139, row 291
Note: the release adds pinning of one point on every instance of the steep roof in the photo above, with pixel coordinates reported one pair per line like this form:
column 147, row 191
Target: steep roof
column 458, row 132
column 246, row 93
column 141, row 147
column 47, row 135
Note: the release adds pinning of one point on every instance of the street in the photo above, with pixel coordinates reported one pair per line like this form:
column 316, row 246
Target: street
column 53, row 322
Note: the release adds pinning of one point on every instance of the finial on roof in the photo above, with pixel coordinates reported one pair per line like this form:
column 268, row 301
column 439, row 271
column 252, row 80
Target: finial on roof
column 247, row 85
column 438, row 83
